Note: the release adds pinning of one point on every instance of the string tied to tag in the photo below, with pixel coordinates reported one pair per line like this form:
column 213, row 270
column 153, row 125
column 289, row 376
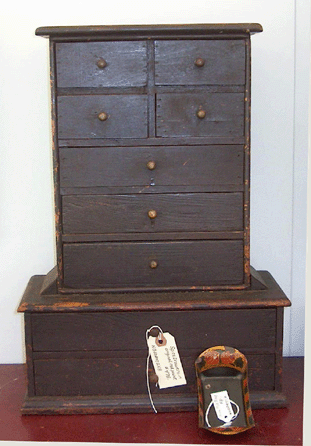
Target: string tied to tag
column 160, row 340
column 168, row 370
column 223, row 409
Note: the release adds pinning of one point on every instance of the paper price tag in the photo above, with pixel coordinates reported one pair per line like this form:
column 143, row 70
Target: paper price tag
column 223, row 406
column 166, row 362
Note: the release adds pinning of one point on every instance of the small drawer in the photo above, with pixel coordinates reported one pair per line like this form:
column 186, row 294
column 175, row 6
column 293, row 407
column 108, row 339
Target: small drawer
column 122, row 331
column 200, row 114
column 151, row 166
column 148, row 213
column 135, row 265
column 127, row 376
column 200, row 62
column 97, row 116
column 101, row 64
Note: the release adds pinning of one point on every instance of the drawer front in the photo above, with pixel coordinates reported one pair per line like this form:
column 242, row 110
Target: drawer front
column 173, row 166
column 96, row 116
column 101, row 64
column 200, row 62
column 127, row 376
column 177, row 114
column 245, row 329
column 153, row 264
column 99, row 214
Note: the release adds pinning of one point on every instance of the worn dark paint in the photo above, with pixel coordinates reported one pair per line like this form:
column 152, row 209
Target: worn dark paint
column 124, row 265
column 126, row 64
column 126, row 167
column 266, row 297
column 192, row 330
column 151, row 88
column 177, row 114
column 100, row 214
column 73, row 361
column 175, row 62
column 74, row 376
column 147, row 31
column 78, row 116
column 75, row 341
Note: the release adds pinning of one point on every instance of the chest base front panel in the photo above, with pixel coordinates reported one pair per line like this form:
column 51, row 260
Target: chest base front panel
column 87, row 354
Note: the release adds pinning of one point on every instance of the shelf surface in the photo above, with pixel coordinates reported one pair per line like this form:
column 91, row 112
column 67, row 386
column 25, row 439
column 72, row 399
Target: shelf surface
column 272, row 426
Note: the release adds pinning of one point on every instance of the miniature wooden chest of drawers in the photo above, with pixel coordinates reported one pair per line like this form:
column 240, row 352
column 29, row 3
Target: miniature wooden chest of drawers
column 151, row 164
column 151, row 156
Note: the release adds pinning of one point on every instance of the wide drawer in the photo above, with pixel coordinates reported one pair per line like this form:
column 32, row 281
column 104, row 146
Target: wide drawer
column 199, row 62
column 99, row 214
column 102, row 116
column 245, row 329
column 122, row 265
column 200, row 114
column 127, row 376
column 101, row 64
column 155, row 166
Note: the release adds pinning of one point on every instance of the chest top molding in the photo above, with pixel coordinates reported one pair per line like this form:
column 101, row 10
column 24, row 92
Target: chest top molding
column 145, row 31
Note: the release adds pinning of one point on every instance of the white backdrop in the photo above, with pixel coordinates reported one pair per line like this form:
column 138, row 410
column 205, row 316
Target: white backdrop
column 280, row 82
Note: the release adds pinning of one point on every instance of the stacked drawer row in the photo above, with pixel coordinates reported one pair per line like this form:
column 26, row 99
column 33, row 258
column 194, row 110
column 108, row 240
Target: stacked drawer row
column 150, row 153
column 107, row 354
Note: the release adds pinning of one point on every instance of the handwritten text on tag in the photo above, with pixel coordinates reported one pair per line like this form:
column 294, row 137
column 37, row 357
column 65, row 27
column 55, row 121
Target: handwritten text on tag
column 222, row 406
column 166, row 362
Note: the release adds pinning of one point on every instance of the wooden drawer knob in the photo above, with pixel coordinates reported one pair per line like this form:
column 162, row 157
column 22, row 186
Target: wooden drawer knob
column 103, row 116
column 154, row 332
column 152, row 213
column 153, row 377
column 153, row 264
column 199, row 62
column 151, row 165
column 201, row 114
column 101, row 63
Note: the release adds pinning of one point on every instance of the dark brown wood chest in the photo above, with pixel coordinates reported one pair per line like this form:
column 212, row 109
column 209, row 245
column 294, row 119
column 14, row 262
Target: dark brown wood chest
column 151, row 147
column 88, row 353
column 151, row 156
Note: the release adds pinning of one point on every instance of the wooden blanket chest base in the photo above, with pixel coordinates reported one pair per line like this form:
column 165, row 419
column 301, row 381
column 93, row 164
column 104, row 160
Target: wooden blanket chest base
column 87, row 353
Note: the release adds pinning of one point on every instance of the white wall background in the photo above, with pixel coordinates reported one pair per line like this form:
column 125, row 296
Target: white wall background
column 280, row 82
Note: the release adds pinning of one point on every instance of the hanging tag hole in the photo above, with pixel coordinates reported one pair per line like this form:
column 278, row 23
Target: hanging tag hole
column 160, row 341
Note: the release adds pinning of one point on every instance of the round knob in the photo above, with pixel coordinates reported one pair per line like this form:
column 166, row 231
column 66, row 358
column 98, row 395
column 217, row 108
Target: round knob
column 199, row 62
column 152, row 213
column 103, row 116
column 151, row 165
column 154, row 332
column 201, row 114
column 101, row 63
column 153, row 264
column 153, row 377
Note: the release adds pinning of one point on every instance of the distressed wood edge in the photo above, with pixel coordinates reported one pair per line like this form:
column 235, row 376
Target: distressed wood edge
column 257, row 282
column 49, row 285
column 106, row 404
column 278, row 372
column 271, row 297
column 147, row 30
column 133, row 404
column 29, row 355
